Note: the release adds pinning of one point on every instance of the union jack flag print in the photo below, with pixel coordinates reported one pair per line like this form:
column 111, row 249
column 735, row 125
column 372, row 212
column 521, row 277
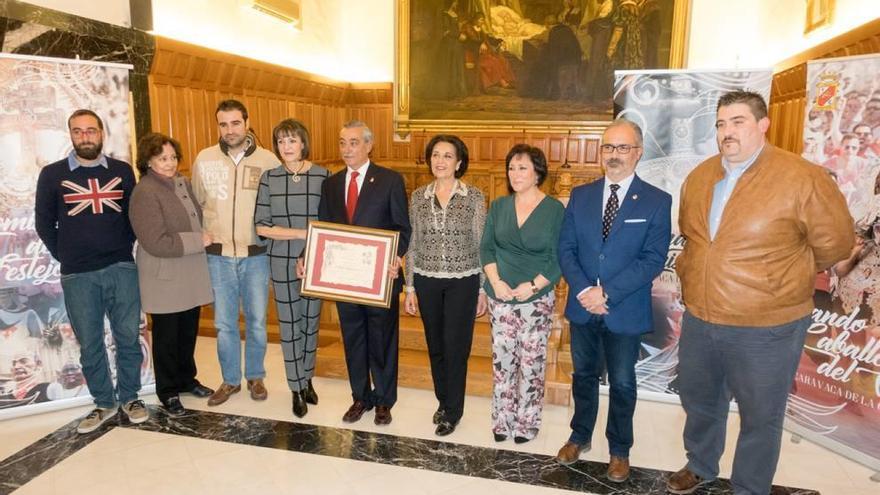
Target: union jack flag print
column 95, row 196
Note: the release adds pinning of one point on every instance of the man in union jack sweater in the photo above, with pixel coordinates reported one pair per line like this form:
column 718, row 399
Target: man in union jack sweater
column 81, row 215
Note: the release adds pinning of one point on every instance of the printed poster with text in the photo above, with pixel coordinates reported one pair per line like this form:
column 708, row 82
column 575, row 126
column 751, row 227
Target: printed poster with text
column 676, row 111
column 39, row 354
column 836, row 400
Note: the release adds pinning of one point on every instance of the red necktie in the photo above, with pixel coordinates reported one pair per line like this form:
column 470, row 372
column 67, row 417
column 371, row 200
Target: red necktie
column 352, row 198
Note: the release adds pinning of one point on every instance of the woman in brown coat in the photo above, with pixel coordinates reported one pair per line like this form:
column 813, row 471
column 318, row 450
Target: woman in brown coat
column 172, row 266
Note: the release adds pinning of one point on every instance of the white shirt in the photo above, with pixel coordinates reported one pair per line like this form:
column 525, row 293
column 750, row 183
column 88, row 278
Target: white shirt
column 362, row 172
column 621, row 193
column 236, row 158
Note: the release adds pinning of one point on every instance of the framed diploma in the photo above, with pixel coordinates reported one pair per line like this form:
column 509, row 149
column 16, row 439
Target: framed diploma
column 349, row 263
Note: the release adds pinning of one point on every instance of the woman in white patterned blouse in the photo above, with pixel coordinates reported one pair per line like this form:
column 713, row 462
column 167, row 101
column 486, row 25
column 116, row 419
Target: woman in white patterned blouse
column 443, row 272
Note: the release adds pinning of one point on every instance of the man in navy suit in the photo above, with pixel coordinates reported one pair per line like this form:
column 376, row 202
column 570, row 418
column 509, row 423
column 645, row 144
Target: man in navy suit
column 368, row 195
column 613, row 243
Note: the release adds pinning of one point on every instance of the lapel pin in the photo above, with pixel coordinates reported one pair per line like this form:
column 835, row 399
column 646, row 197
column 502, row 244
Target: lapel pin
column 372, row 179
column 635, row 196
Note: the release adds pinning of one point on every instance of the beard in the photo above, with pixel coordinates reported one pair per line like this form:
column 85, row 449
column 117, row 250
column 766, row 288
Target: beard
column 88, row 151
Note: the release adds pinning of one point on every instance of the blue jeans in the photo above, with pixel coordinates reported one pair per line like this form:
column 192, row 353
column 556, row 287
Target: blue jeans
column 88, row 297
column 755, row 366
column 593, row 345
column 245, row 280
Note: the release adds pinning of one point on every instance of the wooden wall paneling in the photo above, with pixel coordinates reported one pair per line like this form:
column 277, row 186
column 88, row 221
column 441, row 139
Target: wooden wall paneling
column 159, row 106
column 800, row 116
column 591, row 150
column 573, row 152
column 555, row 149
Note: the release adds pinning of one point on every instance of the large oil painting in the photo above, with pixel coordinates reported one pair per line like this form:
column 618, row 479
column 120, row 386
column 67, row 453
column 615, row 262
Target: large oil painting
column 526, row 63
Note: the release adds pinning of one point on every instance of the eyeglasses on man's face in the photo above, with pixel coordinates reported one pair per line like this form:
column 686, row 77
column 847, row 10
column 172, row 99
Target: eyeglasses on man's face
column 89, row 132
column 622, row 149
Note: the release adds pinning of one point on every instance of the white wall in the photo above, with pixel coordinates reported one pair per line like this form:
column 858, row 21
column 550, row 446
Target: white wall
column 761, row 33
column 109, row 11
column 348, row 40
column 353, row 40
column 367, row 39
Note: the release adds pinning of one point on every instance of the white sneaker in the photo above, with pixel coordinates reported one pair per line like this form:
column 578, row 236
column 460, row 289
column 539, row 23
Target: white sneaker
column 95, row 419
column 136, row 411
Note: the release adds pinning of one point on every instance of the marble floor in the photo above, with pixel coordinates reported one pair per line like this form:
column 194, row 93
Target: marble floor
column 260, row 447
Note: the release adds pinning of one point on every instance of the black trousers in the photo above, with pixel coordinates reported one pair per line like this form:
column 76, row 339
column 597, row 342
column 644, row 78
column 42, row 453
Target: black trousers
column 448, row 308
column 370, row 336
column 174, row 341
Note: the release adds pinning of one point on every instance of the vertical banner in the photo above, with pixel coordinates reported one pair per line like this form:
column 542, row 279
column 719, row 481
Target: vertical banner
column 676, row 111
column 837, row 396
column 39, row 354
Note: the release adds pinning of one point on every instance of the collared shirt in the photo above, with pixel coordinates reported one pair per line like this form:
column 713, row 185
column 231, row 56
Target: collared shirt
column 236, row 158
column 362, row 172
column 74, row 163
column 621, row 193
column 724, row 189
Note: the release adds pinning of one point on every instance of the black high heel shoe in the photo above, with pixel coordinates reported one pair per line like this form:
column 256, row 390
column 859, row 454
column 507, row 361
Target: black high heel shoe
column 300, row 408
column 310, row 395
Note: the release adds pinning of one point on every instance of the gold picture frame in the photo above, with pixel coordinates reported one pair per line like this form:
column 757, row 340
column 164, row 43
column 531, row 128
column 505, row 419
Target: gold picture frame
column 407, row 114
column 349, row 263
column 819, row 13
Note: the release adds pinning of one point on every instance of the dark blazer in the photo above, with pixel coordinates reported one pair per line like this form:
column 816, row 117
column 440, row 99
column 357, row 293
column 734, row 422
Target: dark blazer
column 382, row 203
column 626, row 263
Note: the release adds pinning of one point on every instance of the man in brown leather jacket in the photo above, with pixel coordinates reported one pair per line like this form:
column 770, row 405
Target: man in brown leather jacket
column 759, row 223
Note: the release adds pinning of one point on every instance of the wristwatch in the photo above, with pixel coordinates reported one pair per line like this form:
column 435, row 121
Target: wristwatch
column 534, row 287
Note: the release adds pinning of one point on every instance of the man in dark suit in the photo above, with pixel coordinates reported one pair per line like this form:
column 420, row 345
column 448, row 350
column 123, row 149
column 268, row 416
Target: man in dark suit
column 368, row 195
column 613, row 243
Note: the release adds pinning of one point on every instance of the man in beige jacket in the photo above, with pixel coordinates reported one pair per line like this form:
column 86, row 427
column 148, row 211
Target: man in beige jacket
column 759, row 223
column 225, row 180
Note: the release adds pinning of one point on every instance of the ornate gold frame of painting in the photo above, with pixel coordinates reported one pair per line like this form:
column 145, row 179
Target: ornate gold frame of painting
column 404, row 125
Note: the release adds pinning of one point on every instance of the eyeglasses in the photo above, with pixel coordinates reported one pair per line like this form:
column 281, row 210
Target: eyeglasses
column 90, row 132
column 622, row 149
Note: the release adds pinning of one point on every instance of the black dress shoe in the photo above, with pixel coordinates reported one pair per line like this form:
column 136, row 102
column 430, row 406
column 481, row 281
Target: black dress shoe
column 383, row 416
column 499, row 437
column 444, row 428
column 201, row 391
column 310, row 394
column 521, row 439
column 300, row 408
column 173, row 406
column 438, row 416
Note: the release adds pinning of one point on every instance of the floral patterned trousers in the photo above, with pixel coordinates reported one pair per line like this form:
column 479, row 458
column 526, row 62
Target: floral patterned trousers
column 519, row 358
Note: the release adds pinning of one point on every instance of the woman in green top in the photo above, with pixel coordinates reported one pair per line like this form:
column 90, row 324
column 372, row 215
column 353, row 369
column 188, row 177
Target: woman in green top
column 518, row 253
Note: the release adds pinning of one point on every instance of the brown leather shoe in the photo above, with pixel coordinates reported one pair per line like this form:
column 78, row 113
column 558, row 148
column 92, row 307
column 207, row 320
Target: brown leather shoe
column 383, row 415
column 618, row 469
column 355, row 412
column 257, row 389
column 222, row 394
column 683, row 482
column 571, row 452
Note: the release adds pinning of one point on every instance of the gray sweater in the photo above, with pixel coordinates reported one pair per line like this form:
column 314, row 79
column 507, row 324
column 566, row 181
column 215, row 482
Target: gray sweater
column 171, row 260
